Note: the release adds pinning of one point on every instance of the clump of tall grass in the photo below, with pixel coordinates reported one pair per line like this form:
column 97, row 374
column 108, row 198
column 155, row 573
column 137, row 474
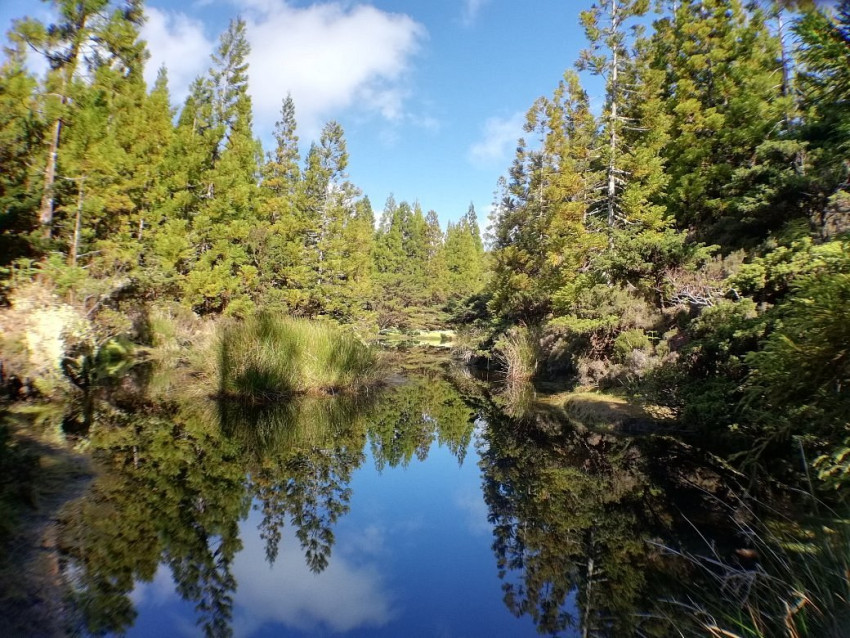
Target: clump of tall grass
column 792, row 581
column 264, row 357
column 518, row 353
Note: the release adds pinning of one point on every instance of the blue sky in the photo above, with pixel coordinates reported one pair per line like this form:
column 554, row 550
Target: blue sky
column 431, row 94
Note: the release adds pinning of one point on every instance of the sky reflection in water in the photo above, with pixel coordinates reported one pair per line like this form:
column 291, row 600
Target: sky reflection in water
column 412, row 557
column 443, row 507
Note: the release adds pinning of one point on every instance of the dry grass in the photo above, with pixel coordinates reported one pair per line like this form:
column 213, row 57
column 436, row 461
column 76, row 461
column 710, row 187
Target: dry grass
column 596, row 410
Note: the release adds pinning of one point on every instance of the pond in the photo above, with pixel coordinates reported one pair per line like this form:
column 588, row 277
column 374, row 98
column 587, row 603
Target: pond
column 441, row 505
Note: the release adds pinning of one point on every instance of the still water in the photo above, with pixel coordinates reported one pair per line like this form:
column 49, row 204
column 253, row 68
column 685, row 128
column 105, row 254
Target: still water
column 440, row 506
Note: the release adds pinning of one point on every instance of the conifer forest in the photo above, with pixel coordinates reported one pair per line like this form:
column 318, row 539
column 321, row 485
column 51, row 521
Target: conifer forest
column 196, row 330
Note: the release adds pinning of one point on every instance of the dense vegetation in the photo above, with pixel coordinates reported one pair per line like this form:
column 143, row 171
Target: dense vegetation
column 687, row 242
column 108, row 192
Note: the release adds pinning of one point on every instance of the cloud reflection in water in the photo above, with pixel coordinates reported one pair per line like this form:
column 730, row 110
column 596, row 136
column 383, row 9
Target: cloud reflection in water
column 345, row 596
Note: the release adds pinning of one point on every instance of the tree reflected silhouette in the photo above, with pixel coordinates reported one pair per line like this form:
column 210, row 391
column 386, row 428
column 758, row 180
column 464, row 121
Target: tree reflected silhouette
column 176, row 478
column 578, row 518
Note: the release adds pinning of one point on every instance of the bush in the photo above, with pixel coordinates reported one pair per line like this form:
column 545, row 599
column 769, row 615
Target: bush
column 798, row 380
column 628, row 341
column 266, row 357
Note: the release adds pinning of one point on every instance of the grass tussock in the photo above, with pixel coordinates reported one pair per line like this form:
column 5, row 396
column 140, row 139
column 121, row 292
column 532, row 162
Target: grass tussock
column 518, row 353
column 266, row 357
column 790, row 581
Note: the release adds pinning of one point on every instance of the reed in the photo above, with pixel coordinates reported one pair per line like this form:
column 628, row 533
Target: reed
column 790, row 581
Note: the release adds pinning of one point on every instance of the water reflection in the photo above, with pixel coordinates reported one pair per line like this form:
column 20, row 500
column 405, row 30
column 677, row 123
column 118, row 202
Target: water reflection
column 581, row 518
column 234, row 511
column 171, row 491
column 299, row 457
column 177, row 478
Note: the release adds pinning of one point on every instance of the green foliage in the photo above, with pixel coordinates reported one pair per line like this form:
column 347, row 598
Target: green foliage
column 812, row 339
column 720, row 64
column 266, row 356
column 628, row 341
column 771, row 276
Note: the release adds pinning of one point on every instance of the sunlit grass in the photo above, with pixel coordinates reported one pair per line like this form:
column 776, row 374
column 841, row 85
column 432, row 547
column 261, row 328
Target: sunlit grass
column 518, row 353
column 265, row 357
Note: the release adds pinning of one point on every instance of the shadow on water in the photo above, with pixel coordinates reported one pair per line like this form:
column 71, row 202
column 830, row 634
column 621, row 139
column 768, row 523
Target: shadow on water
column 581, row 521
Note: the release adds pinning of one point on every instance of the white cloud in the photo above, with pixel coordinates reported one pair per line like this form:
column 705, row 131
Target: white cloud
column 178, row 42
column 474, row 511
column 498, row 139
column 347, row 595
column 330, row 57
column 471, row 9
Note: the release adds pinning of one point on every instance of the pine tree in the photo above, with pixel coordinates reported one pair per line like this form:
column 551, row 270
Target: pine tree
column 154, row 136
column 573, row 237
column 436, row 272
column 403, row 246
column 280, row 237
column 724, row 100
column 224, row 272
column 824, row 86
column 20, row 139
column 64, row 45
column 541, row 218
column 335, row 266
column 608, row 57
column 464, row 258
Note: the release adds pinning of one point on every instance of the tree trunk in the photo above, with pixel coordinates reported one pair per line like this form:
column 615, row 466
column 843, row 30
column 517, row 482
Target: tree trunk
column 45, row 215
column 612, row 180
column 75, row 241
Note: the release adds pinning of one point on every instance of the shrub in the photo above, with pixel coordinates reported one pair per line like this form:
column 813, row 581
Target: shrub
column 628, row 341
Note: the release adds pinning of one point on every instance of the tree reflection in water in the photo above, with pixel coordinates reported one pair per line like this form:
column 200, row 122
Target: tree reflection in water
column 176, row 479
column 578, row 518
column 170, row 490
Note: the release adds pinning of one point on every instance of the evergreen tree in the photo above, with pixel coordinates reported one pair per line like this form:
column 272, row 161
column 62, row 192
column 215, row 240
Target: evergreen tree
column 608, row 57
column 824, row 86
column 464, row 258
column 66, row 45
column 281, row 235
column 402, row 248
column 333, row 221
column 540, row 223
column 724, row 100
column 520, row 219
column 436, row 273
column 224, row 272
column 21, row 133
